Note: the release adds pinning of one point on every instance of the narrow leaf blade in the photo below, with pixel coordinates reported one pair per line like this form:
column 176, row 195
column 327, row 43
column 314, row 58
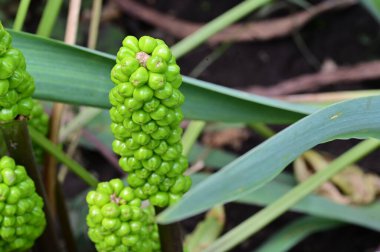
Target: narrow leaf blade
column 356, row 118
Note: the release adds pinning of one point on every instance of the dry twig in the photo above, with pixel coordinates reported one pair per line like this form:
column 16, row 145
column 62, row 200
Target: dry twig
column 260, row 30
column 308, row 82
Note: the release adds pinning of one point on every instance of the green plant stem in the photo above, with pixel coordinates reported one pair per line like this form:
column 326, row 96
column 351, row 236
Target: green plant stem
column 271, row 212
column 22, row 11
column 219, row 23
column 209, row 59
column 191, row 134
column 262, row 129
column 85, row 115
column 295, row 232
column 49, row 17
column 19, row 146
column 62, row 157
column 94, row 25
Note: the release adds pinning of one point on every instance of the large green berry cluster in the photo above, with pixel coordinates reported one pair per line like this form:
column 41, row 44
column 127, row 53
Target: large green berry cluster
column 16, row 85
column 22, row 219
column 117, row 222
column 39, row 120
column 146, row 117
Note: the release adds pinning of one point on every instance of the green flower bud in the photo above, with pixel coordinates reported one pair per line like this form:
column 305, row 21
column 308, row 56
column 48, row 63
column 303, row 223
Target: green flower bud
column 140, row 193
column 125, row 89
column 147, row 44
column 141, row 117
column 161, row 133
column 160, row 199
column 111, row 224
column 25, row 106
column 141, row 138
column 143, row 153
column 175, row 100
column 152, row 144
column 172, row 72
column 156, row 64
column 135, row 226
column 126, row 213
column 14, row 195
column 117, row 74
column 124, row 52
column 129, row 65
column 152, row 163
column 139, row 77
column 165, row 92
column 117, row 185
column 95, row 214
column 134, row 181
column 127, row 194
column 143, row 173
column 176, row 83
column 131, row 144
column 124, row 230
column 4, row 192
column 7, row 67
column 105, row 188
column 133, row 104
column 156, row 81
column 9, row 176
column 149, row 189
column 149, row 127
column 143, row 93
column 131, row 126
column 164, row 168
column 110, row 210
column 162, row 51
column 132, row 43
column 4, row 86
column 151, row 105
column 179, row 185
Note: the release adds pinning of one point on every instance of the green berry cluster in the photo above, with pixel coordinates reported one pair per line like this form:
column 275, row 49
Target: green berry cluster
column 16, row 85
column 146, row 117
column 39, row 120
column 22, row 219
column 117, row 222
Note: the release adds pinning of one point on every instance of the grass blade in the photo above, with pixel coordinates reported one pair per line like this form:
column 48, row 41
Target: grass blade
column 295, row 232
column 76, row 75
column 358, row 118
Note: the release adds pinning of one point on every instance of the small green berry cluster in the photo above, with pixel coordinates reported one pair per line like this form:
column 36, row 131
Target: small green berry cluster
column 16, row 85
column 39, row 120
column 146, row 117
column 22, row 219
column 117, row 222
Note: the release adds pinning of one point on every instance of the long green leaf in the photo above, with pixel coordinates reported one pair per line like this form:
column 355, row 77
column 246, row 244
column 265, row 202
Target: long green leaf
column 76, row 75
column 354, row 118
column 295, row 232
column 365, row 216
